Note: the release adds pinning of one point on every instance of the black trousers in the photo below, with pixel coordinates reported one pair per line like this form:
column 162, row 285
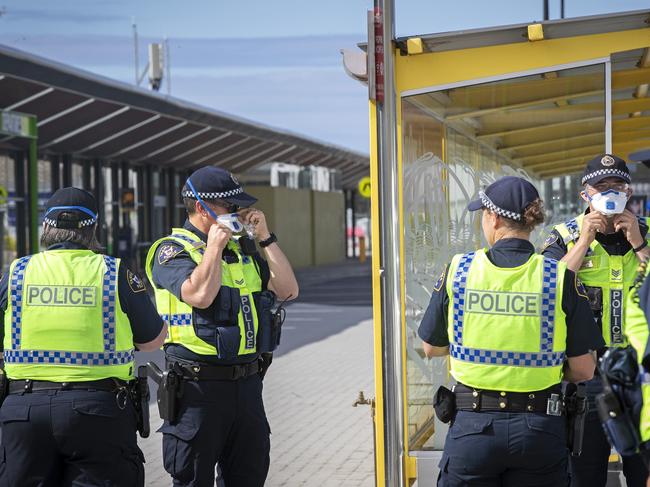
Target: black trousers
column 497, row 449
column 69, row 438
column 219, row 422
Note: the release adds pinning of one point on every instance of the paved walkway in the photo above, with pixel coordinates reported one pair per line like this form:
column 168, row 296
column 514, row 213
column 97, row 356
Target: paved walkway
column 318, row 438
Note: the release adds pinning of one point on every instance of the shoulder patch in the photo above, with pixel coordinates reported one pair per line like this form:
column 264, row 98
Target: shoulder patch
column 550, row 240
column 441, row 280
column 135, row 283
column 580, row 289
column 166, row 252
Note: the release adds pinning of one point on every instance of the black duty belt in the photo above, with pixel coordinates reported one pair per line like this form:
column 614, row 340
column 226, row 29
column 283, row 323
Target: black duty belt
column 23, row 386
column 196, row 372
column 548, row 401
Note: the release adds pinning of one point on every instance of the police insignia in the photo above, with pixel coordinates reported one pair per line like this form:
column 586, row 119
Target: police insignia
column 135, row 283
column 550, row 240
column 441, row 280
column 580, row 289
column 167, row 252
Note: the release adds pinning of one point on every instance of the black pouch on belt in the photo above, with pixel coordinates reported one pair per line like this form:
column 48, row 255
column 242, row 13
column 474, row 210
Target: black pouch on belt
column 141, row 397
column 444, row 404
column 169, row 391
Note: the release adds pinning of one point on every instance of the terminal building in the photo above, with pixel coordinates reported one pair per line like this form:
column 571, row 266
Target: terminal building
column 133, row 148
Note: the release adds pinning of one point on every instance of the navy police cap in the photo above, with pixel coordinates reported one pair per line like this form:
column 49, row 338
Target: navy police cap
column 605, row 166
column 215, row 183
column 71, row 208
column 508, row 197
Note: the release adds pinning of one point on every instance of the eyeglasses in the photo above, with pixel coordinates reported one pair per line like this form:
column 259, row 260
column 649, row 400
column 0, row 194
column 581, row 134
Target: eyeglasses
column 228, row 206
column 604, row 186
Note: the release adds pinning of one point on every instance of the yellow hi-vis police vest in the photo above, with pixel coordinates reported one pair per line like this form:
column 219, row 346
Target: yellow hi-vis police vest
column 63, row 321
column 636, row 331
column 612, row 274
column 507, row 330
column 242, row 275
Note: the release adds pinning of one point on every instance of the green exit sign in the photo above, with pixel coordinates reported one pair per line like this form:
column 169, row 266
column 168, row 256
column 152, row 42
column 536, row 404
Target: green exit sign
column 17, row 124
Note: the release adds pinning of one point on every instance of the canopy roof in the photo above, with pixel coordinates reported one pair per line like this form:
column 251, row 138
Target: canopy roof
column 90, row 116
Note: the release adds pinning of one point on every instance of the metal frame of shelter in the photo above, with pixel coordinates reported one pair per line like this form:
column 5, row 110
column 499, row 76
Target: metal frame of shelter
column 610, row 59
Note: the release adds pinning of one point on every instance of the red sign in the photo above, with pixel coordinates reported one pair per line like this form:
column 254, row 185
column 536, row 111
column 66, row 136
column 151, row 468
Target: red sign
column 379, row 55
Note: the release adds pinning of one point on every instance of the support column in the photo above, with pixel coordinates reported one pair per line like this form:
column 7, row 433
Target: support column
column 67, row 170
column 86, row 167
column 55, row 172
column 32, row 177
column 392, row 387
column 21, row 204
column 115, row 209
column 148, row 202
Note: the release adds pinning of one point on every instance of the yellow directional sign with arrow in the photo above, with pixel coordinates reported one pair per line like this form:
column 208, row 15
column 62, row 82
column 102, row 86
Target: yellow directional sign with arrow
column 364, row 187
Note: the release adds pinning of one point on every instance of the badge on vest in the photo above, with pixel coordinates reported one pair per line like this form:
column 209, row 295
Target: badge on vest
column 502, row 303
column 72, row 296
column 616, row 316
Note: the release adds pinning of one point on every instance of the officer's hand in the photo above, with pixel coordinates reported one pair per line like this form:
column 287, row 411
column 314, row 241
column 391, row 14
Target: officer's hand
column 593, row 222
column 629, row 223
column 257, row 220
column 218, row 236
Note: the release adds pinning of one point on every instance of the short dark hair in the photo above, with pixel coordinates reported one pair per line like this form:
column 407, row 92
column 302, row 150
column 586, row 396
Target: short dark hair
column 83, row 236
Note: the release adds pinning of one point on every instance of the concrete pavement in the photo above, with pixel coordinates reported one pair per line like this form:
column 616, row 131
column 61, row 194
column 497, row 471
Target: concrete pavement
column 325, row 359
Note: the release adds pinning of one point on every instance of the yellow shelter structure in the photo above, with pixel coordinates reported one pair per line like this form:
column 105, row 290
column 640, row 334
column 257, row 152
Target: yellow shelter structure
column 450, row 113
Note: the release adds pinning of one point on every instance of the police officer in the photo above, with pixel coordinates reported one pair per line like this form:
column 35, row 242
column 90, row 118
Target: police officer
column 604, row 245
column 637, row 317
column 514, row 324
column 213, row 287
column 72, row 318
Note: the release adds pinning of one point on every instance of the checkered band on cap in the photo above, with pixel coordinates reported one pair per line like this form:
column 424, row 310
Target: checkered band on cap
column 487, row 202
column 213, row 196
column 81, row 224
column 607, row 172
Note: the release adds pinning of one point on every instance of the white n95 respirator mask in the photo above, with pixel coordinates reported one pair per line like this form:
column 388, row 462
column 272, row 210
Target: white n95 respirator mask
column 609, row 202
column 231, row 220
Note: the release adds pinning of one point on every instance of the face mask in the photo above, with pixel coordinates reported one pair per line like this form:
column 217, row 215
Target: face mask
column 609, row 202
column 231, row 220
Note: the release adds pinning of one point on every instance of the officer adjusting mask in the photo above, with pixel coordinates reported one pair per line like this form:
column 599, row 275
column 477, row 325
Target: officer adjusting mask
column 232, row 222
column 609, row 202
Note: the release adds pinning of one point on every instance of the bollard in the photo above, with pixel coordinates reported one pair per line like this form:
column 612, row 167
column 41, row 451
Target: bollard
column 362, row 249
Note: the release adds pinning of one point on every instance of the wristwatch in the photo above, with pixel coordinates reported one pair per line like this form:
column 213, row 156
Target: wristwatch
column 268, row 241
column 638, row 249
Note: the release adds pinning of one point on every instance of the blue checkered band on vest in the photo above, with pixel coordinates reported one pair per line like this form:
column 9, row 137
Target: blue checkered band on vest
column 182, row 319
column 574, row 231
column 546, row 357
column 187, row 239
column 108, row 357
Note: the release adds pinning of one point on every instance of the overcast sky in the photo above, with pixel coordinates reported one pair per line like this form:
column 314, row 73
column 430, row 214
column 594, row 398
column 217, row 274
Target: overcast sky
column 275, row 62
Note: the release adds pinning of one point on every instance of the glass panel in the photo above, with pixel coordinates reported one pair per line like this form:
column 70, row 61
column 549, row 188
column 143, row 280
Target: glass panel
column 456, row 141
